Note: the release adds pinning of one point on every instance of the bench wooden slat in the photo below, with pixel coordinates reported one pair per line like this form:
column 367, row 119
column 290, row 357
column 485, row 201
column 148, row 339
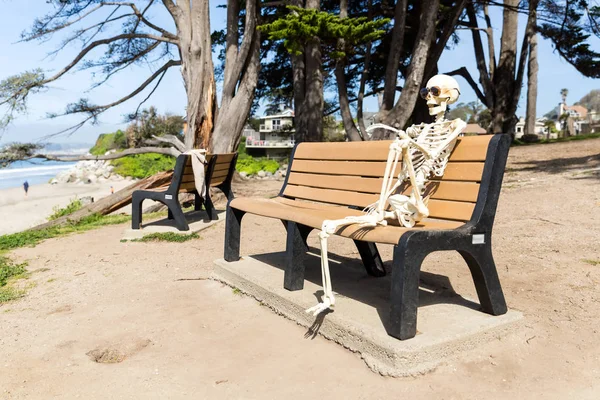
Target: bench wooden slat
column 450, row 210
column 222, row 167
column 455, row 171
column 354, row 183
column 462, row 171
column 451, row 190
column 466, row 149
column 332, row 196
column 352, row 168
column 224, row 158
column 220, row 174
column 187, row 187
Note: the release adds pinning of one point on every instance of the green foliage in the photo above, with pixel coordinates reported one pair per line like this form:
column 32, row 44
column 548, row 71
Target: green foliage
column 242, row 146
column 12, row 152
column 33, row 237
column 8, row 269
column 167, row 237
column 302, row 26
column 143, row 165
column 149, row 123
column 73, row 206
column 251, row 165
column 14, row 91
column 109, row 141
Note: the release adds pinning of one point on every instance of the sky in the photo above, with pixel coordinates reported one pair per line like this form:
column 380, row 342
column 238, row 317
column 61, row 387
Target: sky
column 16, row 57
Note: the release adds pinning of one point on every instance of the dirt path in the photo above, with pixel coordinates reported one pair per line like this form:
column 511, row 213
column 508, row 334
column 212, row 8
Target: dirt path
column 178, row 335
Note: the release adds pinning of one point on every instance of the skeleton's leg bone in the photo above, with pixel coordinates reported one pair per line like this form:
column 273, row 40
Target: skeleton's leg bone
column 328, row 298
column 413, row 181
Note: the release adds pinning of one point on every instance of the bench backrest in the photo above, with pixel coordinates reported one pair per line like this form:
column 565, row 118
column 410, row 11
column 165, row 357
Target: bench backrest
column 351, row 174
column 217, row 170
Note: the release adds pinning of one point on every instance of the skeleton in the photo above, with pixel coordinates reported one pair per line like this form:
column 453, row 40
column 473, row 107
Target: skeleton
column 424, row 150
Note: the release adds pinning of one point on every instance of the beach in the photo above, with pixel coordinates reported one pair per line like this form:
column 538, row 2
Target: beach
column 18, row 212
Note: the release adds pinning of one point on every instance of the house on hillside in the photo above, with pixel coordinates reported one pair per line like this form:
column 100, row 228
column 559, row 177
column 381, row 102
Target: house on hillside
column 541, row 129
column 275, row 137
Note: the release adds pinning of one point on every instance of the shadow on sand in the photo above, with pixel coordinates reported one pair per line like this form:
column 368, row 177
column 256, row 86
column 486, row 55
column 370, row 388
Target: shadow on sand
column 349, row 279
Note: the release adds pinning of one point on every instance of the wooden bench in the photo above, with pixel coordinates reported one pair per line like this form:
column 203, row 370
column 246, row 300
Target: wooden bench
column 218, row 173
column 335, row 180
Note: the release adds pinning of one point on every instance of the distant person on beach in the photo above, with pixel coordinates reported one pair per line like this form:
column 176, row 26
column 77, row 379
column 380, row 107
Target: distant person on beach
column 112, row 190
column 26, row 187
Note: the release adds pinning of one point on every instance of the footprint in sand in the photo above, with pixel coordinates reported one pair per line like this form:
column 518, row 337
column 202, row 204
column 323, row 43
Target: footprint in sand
column 118, row 352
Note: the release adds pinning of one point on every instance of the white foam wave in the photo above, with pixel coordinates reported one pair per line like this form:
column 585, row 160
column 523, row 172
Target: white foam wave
column 18, row 172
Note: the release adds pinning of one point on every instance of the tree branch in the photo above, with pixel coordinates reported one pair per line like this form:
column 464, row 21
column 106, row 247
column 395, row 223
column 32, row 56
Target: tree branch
column 490, row 37
column 464, row 72
column 179, row 145
column 484, row 77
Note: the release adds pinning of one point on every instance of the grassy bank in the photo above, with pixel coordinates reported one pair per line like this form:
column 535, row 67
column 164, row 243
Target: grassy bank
column 9, row 273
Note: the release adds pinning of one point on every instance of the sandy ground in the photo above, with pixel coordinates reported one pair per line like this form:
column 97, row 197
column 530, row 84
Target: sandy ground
column 18, row 212
column 173, row 334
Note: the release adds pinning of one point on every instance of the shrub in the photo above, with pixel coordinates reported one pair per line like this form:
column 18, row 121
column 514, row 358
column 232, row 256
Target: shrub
column 73, row 206
column 530, row 138
column 251, row 165
column 109, row 141
column 143, row 165
column 8, row 269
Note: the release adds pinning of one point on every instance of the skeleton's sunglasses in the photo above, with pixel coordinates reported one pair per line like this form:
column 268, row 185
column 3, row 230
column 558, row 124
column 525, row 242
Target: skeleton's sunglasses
column 435, row 91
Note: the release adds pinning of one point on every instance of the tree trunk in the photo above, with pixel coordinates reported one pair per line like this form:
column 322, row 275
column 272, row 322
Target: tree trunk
column 111, row 203
column 532, row 72
column 504, row 78
column 399, row 115
column 340, row 75
column 308, row 88
column 391, row 70
column 242, row 65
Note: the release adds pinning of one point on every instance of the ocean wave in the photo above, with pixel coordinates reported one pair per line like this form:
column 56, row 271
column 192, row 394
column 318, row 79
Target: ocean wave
column 33, row 171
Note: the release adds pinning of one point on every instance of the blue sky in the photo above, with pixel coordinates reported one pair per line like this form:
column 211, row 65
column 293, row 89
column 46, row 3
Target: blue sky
column 554, row 74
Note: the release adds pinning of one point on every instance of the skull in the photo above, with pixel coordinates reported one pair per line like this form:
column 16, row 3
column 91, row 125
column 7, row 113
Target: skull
column 447, row 92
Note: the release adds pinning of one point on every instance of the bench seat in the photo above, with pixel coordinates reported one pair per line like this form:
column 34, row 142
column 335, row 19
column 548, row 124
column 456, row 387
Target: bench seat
column 313, row 215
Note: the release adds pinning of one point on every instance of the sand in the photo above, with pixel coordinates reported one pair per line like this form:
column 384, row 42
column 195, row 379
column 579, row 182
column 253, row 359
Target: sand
column 105, row 319
column 18, row 212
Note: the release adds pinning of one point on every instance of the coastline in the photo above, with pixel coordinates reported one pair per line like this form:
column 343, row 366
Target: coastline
column 18, row 213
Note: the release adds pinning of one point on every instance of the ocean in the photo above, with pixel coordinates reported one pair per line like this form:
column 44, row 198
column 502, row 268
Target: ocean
column 34, row 171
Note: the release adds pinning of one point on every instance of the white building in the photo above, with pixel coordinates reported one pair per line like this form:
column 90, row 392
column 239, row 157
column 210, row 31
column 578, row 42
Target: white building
column 540, row 129
column 275, row 137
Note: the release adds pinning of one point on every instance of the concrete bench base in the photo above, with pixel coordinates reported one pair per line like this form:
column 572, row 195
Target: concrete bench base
column 450, row 323
column 197, row 221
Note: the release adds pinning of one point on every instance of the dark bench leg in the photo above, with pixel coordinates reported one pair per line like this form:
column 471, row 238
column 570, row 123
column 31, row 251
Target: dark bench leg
column 226, row 189
column 209, row 206
column 295, row 250
column 136, row 211
column 404, row 296
column 233, row 225
column 370, row 258
column 483, row 269
column 198, row 201
column 176, row 213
